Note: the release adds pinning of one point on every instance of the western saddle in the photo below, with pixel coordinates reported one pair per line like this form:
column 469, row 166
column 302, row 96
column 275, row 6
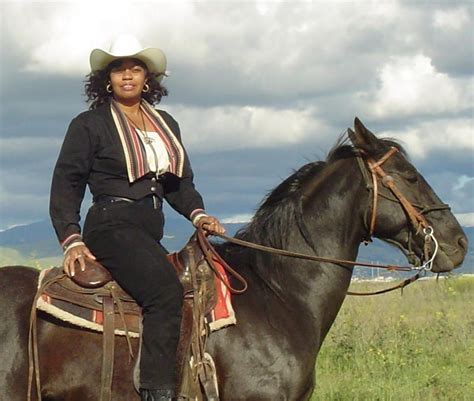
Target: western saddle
column 95, row 290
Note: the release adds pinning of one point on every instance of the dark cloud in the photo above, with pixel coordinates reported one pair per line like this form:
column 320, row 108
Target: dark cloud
column 448, row 44
column 39, row 105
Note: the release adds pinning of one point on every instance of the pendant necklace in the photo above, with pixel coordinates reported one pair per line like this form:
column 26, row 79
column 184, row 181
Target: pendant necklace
column 148, row 140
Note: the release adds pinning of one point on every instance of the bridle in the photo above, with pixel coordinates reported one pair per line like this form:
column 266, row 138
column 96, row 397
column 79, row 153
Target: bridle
column 372, row 172
column 416, row 217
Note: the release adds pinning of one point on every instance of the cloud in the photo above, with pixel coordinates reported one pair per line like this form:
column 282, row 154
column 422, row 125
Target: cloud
column 465, row 219
column 233, row 127
column 74, row 28
column 453, row 19
column 412, row 86
column 446, row 184
column 446, row 135
column 25, row 150
column 238, row 218
column 462, row 181
column 258, row 87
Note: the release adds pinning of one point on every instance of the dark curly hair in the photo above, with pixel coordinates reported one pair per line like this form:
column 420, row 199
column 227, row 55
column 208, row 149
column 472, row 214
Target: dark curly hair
column 96, row 84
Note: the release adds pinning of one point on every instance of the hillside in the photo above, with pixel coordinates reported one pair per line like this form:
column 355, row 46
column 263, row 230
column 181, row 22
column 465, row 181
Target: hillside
column 36, row 245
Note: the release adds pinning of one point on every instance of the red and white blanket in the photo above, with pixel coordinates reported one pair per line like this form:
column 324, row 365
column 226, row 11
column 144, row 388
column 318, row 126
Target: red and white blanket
column 221, row 316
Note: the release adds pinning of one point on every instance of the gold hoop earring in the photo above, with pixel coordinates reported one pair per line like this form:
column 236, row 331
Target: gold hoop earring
column 146, row 88
column 108, row 88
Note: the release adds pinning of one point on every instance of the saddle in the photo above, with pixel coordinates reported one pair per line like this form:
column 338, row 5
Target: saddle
column 93, row 292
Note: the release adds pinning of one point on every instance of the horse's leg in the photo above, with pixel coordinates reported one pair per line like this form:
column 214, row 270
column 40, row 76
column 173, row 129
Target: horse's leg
column 17, row 289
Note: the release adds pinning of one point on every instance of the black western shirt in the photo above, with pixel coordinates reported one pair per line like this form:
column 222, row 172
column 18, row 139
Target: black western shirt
column 92, row 154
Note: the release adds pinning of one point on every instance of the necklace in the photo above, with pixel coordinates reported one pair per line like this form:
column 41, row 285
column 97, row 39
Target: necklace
column 148, row 140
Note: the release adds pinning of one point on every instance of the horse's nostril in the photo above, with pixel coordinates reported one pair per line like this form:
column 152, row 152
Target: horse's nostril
column 462, row 241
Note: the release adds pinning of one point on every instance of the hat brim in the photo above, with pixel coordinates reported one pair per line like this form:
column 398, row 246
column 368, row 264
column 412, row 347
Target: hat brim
column 154, row 59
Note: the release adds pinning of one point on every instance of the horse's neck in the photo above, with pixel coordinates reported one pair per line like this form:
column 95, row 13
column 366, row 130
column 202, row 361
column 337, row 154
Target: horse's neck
column 333, row 218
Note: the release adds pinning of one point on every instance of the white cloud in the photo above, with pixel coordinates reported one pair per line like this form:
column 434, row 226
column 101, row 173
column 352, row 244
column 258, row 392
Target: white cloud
column 453, row 19
column 465, row 219
column 233, row 127
column 237, row 218
column 412, row 86
column 449, row 135
column 276, row 47
column 462, row 181
column 61, row 35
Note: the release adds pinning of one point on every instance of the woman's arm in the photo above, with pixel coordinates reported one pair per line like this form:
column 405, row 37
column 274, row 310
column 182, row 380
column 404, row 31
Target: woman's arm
column 69, row 181
column 67, row 192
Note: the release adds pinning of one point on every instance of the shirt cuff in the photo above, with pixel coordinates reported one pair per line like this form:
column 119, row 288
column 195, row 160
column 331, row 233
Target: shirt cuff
column 69, row 240
column 72, row 245
column 196, row 215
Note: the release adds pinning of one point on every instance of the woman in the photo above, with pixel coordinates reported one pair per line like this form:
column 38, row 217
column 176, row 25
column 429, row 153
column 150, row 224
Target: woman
column 132, row 158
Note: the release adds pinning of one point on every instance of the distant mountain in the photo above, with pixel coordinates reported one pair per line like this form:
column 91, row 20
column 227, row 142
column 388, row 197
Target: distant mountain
column 35, row 239
column 36, row 245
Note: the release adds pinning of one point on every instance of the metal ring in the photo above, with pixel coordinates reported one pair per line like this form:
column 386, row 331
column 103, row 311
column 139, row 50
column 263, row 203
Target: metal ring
column 428, row 230
column 387, row 180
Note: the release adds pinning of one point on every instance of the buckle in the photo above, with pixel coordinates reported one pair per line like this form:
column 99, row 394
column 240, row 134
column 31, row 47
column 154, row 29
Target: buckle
column 156, row 201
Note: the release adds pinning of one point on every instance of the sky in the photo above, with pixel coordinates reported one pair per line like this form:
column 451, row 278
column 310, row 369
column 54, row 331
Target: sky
column 259, row 88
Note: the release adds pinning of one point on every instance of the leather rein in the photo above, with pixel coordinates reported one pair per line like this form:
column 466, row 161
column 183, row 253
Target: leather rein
column 372, row 172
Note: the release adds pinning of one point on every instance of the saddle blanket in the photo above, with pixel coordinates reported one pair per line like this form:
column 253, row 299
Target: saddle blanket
column 222, row 315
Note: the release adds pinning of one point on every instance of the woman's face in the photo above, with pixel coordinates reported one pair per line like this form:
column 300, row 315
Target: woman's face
column 127, row 80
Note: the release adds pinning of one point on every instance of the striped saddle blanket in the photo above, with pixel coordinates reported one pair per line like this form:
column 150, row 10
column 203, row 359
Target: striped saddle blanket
column 83, row 307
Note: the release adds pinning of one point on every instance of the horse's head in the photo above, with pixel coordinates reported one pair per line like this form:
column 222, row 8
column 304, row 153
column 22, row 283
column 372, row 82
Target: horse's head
column 392, row 219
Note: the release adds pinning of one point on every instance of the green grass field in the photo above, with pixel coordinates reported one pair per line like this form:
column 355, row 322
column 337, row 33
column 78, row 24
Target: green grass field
column 419, row 346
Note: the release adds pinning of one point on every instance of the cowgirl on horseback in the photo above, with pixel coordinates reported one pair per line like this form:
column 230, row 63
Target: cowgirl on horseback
column 132, row 157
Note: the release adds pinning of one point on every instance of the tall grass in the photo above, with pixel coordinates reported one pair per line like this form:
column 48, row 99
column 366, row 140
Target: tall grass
column 419, row 346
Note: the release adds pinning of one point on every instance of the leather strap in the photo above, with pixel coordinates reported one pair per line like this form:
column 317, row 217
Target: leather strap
column 375, row 169
column 417, row 219
column 108, row 349
column 298, row 255
column 33, row 357
column 400, row 286
column 211, row 256
column 116, row 299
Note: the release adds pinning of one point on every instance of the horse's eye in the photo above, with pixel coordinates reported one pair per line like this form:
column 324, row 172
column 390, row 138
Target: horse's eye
column 412, row 177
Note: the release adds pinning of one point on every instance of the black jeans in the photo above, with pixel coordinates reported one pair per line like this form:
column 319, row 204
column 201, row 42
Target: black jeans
column 124, row 238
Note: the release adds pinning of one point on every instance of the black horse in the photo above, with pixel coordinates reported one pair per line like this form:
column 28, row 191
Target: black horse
column 290, row 305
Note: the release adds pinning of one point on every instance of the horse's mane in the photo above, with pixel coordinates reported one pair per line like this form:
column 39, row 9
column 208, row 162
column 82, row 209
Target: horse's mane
column 282, row 207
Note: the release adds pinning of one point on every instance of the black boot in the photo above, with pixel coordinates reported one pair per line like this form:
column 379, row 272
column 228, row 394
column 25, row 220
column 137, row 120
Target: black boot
column 156, row 395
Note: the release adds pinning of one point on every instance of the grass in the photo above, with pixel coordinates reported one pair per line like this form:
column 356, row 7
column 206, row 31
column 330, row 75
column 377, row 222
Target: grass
column 419, row 346
column 12, row 257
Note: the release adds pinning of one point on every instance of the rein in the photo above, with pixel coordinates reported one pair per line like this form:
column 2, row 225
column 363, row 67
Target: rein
column 298, row 255
column 416, row 218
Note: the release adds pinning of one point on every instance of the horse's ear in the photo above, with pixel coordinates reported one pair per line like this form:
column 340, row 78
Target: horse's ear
column 352, row 136
column 362, row 137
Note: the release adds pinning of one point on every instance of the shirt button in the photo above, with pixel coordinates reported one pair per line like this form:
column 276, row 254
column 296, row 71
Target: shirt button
column 153, row 189
column 153, row 179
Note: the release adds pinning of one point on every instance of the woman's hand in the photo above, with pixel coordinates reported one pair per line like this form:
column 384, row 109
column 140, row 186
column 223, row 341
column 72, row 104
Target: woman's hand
column 76, row 253
column 210, row 223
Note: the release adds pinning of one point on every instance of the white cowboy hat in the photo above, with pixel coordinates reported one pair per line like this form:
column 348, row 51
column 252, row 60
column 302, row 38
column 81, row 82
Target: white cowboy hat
column 129, row 46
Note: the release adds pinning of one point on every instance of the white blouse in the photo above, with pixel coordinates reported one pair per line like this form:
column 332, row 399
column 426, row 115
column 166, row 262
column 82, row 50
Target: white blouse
column 156, row 153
